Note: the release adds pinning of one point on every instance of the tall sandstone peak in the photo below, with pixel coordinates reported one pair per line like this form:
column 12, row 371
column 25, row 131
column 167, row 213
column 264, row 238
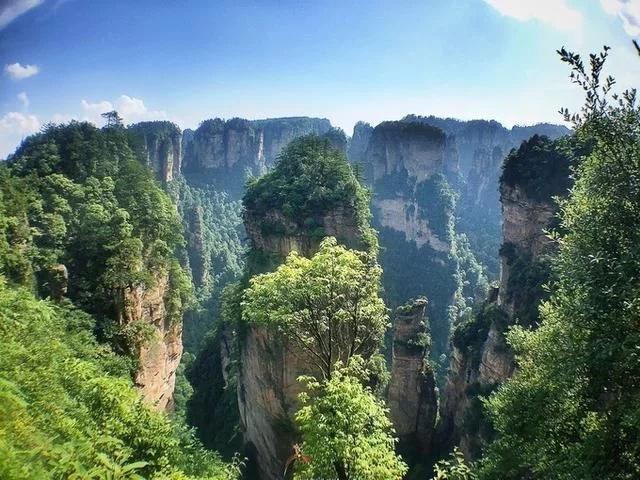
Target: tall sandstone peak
column 413, row 396
column 408, row 166
column 161, row 144
column 481, row 359
column 267, row 386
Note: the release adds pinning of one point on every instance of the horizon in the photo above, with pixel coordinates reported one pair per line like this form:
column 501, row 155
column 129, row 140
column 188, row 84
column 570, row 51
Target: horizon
column 464, row 59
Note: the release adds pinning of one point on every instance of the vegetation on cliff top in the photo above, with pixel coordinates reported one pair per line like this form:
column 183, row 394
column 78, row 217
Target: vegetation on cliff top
column 68, row 408
column 310, row 180
column 328, row 305
column 77, row 196
column 571, row 411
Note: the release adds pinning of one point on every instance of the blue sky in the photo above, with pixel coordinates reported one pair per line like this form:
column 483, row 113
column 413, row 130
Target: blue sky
column 344, row 60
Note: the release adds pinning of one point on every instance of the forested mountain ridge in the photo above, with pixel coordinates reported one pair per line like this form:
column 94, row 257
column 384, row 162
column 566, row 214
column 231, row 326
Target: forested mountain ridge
column 110, row 254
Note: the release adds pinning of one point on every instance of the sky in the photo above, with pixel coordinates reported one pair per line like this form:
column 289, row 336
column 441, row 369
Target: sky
column 345, row 60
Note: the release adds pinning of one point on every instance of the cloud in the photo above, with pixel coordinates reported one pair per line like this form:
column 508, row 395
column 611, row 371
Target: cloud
column 17, row 71
column 16, row 122
column 12, row 9
column 552, row 12
column 24, row 99
column 628, row 11
column 14, row 126
column 131, row 109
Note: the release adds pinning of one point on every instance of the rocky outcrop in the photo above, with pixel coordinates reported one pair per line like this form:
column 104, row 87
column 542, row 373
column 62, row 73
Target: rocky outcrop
column 268, row 388
column 412, row 397
column 278, row 132
column 413, row 206
column 161, row 144
column 225, row 153
column 273, row 233
column 359, row 143
column 160, row 350
column 481, row 359
column 269, row 366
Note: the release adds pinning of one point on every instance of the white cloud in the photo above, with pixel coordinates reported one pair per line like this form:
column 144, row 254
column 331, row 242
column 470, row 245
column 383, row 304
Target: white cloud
column 11, row 9
column 24, row 99
column 628, row 11
column 131, row 109
column 17, row 71
column 14, row 126
column 556, row 13
column 134, row 110
column 16, row 122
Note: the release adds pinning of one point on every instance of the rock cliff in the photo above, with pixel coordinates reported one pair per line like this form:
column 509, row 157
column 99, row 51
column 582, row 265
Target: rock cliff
column 409, row 165
column 413, row 396
column 269, row 367
column 161, row 144
column 481, row 359
column 160, row 353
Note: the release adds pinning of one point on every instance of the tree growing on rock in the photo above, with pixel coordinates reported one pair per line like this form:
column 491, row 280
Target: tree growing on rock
column 328, row 306
column 347, row 434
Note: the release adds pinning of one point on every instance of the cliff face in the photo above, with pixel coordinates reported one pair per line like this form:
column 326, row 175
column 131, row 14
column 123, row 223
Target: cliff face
column 328, row 202
column 481, row 146
column 481, row 359
column 359, row 143
column 412, row 397
column 161, row 144
column 409, row 165
column 268, row 387
column 160, row 354
column 278, row 132
column 223, row 153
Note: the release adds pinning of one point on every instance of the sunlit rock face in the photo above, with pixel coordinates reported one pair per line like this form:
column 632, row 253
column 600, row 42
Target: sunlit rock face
column 160, row 354
column 225, row 154
column 409, row 167
column 412, row 397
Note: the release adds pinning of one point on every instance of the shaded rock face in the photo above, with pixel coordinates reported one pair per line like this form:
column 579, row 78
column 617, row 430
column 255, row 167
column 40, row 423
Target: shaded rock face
column 223, row 154
column 482, row 361
column 195, row 247
column 412, row 397
column 162, row 147
column 407, row 149
column 409, row 164
column 267, row 386
column 285, row 236
column 359, row 143
column 278, row 132
column 160, row 356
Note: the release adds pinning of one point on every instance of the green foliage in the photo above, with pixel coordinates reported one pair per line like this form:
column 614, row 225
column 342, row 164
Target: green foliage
column 454, row 468
column 213, row 231
column 346, row 432
column 327, row 305
column 540, row 167
column 470, row 335
column 310, row 179
column 571, row 411
column 436, row 201
column 78, row 196
column 69, row 410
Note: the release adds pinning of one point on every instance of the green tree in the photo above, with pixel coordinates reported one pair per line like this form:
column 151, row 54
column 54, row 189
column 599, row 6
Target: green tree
column 328, row 306
column 573, row 409
column 346, row 432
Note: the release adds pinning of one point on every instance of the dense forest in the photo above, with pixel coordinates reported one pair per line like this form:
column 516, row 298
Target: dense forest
column 273, row 300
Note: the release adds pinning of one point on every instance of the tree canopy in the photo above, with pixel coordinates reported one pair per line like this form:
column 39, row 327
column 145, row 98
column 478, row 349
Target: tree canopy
column 572, row 410
column 346, row 432
column 328, row 306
